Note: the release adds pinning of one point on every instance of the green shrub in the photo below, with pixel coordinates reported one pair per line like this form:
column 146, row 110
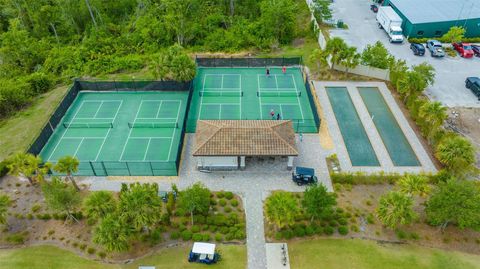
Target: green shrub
column 309, row 230
column 229, row 236
column 213, row 201
column 212, row 228
column 220, row 194
column 343, row 230
column 91, row 250
column 299, row 231
column 199, row 219
column 227, row 209
column 329, row 230
column 278, row 236
column 218, row 237
column 333, row 223
column 155, row 236
column 36, row 207
column 370, row 219
column 83, row 246
column 4, row 167
column 197, row 237
column 205, row 237
column 319, row 230
column 195, row 229
column 182, row 227
column 414, row 236
column 174, row 235
column 101, row 254
column 16, row 238
column 362, row 178
column 287, row 234
column 186, row 235
column 222, row 202
column 224, row 230
column 401, row 234
column 342, row 221
column 239, row 235
column 229, row 195
column 39, row 82
column 354, row 228
column 234, row 203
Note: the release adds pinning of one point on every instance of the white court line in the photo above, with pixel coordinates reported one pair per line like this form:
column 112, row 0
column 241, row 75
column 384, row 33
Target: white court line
column 240, row 98
column 276, row 83
column 151, row 137
column 146, row 150
column 97, row 101
column 58, row 143
column 108, row 133
column 201, row 99
column 220, row 113
column 158, row 110
column 298, row 99
column 78, row 147
column 216, row 104
column 98, row 109
column 259, row 98
column 156, row 119
column 174, row 131
column 130, row 132
column 94, row 118
column 83, row 137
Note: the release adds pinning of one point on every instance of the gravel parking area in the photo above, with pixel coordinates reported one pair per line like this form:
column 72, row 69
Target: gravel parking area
column 449, row 87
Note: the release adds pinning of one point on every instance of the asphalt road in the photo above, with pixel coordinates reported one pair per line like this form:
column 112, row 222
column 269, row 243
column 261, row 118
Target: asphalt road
column 449, row 87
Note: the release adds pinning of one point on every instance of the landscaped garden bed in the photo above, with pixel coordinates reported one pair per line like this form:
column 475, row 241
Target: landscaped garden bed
column 32, row 222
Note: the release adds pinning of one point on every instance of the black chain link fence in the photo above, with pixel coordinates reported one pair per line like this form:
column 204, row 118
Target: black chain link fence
column 248, row 62
column 112, row 168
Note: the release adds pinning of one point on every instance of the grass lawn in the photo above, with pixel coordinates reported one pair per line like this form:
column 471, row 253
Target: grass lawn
column 359, row 254
column 40, row 257
column 18, row 131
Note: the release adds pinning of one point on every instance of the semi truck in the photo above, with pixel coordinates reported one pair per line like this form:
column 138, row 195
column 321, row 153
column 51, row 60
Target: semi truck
column 389, row 20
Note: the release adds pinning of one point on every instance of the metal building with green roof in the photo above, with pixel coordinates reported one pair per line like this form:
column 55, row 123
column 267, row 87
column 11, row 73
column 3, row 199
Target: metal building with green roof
column 433, row 18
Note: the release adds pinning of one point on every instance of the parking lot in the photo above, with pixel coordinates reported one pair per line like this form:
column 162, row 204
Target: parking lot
column 449, row 87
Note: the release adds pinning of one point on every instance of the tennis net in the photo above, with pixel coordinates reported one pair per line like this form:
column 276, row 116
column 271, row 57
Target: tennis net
column 153, row 125
column 279, row 94
column 222, row 93
column 88, row 125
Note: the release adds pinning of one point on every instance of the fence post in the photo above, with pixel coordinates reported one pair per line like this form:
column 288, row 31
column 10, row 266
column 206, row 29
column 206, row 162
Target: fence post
column 115, row 85
column 93, row 169
column 128, row 168
column 104, row 168
column 151, row 168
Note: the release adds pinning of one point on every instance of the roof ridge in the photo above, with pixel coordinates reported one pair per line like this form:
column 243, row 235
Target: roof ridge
column 284, row 141
column 218, row 128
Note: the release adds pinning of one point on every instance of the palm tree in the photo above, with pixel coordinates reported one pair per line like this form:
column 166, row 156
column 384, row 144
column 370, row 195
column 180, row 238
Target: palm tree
column 68, row 165
column 434, row 114
column 28, row 166
column 412, row 84
column 100, row 203
column 457, row 154
column 112, row 233
column 281, row 209
column 414, row 185
column 4, row 204
column 349, row 58
column 334, row 48
column 320, row 56
column 396, row 208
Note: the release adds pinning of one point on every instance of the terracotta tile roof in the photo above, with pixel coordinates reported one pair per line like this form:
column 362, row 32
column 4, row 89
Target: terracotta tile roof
column 245, row 138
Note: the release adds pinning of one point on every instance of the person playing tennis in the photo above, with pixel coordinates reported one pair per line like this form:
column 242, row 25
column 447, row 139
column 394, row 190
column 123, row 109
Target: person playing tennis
column 284, row 70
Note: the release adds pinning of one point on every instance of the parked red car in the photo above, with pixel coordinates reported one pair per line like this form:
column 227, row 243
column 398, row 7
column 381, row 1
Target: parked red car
column 465, row 49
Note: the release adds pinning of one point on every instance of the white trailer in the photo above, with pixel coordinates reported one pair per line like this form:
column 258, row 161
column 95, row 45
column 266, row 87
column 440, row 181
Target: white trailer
column 389, row 20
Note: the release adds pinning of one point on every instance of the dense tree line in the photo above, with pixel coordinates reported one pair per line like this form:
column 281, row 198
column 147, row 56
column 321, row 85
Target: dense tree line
column 43, row 42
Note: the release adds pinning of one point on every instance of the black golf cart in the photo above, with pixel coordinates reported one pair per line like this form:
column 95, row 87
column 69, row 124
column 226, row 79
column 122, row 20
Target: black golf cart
column 304, row 176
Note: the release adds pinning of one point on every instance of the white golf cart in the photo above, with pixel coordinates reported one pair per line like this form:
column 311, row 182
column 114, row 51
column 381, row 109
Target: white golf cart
column 203, row 253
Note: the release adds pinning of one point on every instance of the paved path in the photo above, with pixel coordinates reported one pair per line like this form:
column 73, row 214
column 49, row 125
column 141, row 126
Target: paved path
column 253, row 184
column 386, row 163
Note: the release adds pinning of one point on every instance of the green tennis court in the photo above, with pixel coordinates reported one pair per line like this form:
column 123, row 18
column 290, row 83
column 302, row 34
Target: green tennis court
column 251, row 94
column 121, row 133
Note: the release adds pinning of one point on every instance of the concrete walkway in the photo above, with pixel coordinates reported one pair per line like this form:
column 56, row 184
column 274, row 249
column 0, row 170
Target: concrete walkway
column 253, row 184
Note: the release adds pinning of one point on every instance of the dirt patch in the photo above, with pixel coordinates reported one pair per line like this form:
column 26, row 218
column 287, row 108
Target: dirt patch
column 466, row 121
column 298, row 42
